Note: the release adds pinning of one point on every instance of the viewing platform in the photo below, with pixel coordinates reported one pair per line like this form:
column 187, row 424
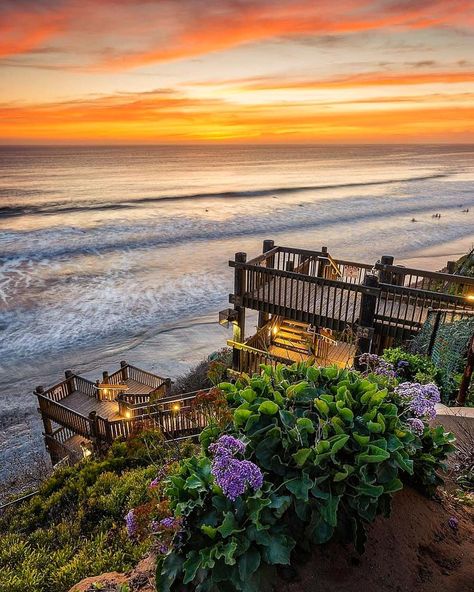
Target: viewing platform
column 337, row 308
column 80, row 415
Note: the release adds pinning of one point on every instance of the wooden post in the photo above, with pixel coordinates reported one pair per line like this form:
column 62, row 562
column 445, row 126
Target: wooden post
column 368, row 306
column 70, row 381
column 323, row 263
column 168, row 387
column 290, row 266
column 239, row 323
column 263, row 317
column 94, row 429
column 386, row 277
column 124, row 366
column 467, row 375
column 105, row 377
column 48, row 430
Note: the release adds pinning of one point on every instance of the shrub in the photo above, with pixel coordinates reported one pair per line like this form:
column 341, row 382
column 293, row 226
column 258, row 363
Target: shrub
column 412, row 367
column 312, row 454
column 75, row 526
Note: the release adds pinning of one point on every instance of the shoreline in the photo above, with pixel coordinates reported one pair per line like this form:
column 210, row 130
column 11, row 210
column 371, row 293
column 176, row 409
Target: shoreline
column 169, row 351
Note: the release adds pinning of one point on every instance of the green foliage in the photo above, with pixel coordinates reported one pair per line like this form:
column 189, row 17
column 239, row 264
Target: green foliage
column 333, row 449
column 432, row 449
column 75, row 527
column 419, row 368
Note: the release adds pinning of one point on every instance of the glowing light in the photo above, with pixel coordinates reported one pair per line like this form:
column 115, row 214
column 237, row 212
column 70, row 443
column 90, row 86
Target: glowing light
column 470, row 297
column 128, row 415
column 175, row 407
column 275, row 330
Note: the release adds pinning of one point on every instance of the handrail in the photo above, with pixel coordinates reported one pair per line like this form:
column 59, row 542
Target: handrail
column 333, row 265
column 306, row 278
column 454, row 279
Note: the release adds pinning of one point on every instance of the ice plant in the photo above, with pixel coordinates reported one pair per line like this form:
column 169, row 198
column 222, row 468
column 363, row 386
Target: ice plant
column 232, row 475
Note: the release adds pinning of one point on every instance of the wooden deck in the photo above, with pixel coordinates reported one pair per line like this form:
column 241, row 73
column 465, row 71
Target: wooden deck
column 84, row 404
column 341, row 354
column 333, row 306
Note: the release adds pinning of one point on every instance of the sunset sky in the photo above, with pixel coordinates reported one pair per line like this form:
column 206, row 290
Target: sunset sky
column 187, row 71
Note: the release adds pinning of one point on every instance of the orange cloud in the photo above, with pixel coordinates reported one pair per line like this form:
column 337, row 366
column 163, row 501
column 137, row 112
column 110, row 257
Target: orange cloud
column 22, row 30
column 168, row 117
column 266, row 20
column 133, row 33
column 360, row 80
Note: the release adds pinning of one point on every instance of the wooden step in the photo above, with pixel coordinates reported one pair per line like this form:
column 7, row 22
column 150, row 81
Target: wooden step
column 290, row 323
column 292, row 330
column 297, row 337
column 287, row 343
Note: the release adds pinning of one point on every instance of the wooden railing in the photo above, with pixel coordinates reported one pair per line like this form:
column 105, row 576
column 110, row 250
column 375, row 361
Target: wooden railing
column 74, row 382
column 251, row 357
column 64, row 416
column 324, row 298
column 132, row 372
column 85, row 386
column 426, row 281
column 315, row 300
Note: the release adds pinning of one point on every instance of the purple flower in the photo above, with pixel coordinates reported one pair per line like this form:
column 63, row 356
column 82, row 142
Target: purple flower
column 453, row 522
column 416, row 425
column 227, row 444
column 170, row 523
column 131, row 524
column 420, row 399
column 377, row 365
column 232, row 475
column 402, row 364
column 163, row 548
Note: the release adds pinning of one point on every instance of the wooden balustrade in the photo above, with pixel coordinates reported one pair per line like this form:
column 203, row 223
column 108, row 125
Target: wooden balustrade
column 64, row 416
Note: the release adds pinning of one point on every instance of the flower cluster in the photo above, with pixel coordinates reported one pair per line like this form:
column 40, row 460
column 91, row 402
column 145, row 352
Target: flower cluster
column 420, row 399
column 416, row 425
column 377, row 365
column 232, row 475
column 131, row 524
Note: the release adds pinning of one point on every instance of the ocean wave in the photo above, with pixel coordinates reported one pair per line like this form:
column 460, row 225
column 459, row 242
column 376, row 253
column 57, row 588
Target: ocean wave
column 65, row 207
column 70, row 242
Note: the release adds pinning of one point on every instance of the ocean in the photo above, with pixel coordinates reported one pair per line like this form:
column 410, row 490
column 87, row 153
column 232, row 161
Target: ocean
column 111, row 253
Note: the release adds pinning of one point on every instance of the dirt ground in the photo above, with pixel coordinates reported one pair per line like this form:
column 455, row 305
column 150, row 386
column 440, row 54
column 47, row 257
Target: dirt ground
column 415, row 550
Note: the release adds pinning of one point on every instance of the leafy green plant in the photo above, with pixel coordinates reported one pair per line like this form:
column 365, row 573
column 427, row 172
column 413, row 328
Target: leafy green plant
column 412, row 367
column 331, row 446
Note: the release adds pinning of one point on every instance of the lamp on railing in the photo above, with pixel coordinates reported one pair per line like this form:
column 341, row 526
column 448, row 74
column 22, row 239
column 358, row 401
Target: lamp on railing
column 176, row 407
column 226, row 316
column 469, row 297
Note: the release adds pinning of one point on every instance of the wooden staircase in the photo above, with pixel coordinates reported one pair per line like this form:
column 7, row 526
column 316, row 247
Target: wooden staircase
column 293, row 335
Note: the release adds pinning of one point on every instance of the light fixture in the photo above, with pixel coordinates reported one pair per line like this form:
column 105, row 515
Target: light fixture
column 175, row 407
column 470, row 297
column 226, row 316
column 275, row 330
